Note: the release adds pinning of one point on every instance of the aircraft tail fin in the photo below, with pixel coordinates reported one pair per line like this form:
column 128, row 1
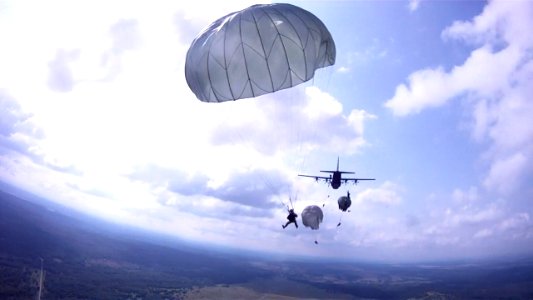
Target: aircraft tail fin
column 337, row 171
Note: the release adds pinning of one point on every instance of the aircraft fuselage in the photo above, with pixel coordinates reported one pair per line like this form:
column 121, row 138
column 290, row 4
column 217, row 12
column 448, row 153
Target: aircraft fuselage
column 336, row 180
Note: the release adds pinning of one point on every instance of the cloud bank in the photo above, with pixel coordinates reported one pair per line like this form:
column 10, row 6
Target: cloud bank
column 495, row 82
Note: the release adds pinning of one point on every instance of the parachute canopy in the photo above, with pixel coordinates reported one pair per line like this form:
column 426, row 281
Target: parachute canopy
column 258, row 50
column 312, row 216
column 344, row 203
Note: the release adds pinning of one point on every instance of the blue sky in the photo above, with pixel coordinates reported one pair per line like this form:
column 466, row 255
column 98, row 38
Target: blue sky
column 431, row 98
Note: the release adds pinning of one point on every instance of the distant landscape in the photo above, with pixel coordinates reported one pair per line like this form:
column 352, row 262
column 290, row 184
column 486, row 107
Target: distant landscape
column 86, row 258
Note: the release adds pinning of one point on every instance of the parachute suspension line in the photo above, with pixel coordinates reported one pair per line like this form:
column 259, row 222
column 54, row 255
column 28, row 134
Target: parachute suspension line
column 301, row 139
column 275, row 192
column 305, row 131
column 296, row 137
column 236, row 138
column 295, row 199
column 324, row 204
column 269, row 184
column 340, row 220
column 316, row 237
column 330, row 74
column 284, row 204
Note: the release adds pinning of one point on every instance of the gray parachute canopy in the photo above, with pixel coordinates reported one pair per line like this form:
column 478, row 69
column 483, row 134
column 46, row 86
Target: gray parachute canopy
column 258, row 50
column 312, row 217
column 344, row 203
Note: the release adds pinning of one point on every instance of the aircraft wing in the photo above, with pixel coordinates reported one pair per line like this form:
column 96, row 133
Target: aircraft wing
column 355, row 180
column 326, row 179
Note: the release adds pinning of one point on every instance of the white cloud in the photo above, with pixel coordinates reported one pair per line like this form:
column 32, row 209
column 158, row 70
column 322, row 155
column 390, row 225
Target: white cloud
column 506, row 22
column 497, row 79
column 465, row 197
column 343, row 69
column 388, row 193
column 483, row 233
column 472, row 216
column 320, row 104
column 376, row 50
column 517, row 226
column 489, row 68
column 60, row 78
column 493, row 223
column 413, row 5
column 125, row 34
column 434, row 87
column 517, row 221
column 505, row 173
column 426, row 88
column 299, row 119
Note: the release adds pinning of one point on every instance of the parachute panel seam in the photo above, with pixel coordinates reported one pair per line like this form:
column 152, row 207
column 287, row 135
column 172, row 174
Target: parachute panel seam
column 209, row 73
column 245, row 62
column 264, row 52
column 284, row 49
column 224, row 27
column 299, row 37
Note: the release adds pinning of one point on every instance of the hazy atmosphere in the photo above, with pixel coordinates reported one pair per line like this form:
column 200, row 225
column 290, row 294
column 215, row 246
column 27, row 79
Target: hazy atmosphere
column 430, row 98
